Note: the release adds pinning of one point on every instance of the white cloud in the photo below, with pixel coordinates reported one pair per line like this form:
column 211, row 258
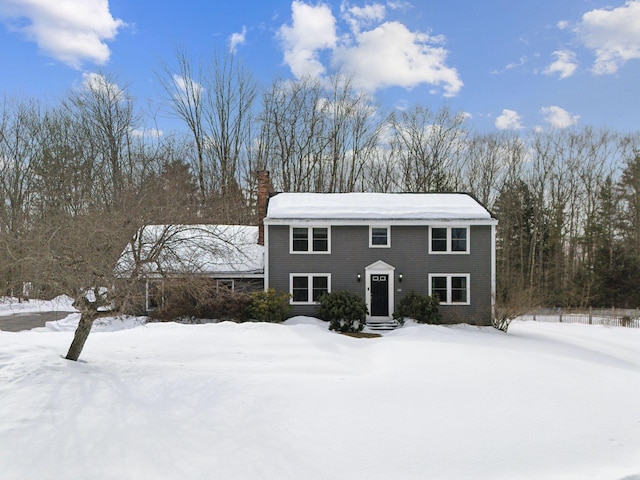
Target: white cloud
column 558, row 117
column 237, row 38
column 522, row 61
column 563, row 25
column 392, row 55
column 509, row 120
column 187, row 88
column 313, row 29
column 71, row 31
column 565, row 64
column 359, row 17
column 147, row 133
column 376, row 55
column 399, row 5
column 613, row 35
column 96, row 82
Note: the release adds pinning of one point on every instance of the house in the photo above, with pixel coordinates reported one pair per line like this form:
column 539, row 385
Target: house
column 382, row 246
column 226, row 257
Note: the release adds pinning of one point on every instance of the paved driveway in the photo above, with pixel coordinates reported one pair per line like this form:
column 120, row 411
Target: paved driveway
column 28, row 320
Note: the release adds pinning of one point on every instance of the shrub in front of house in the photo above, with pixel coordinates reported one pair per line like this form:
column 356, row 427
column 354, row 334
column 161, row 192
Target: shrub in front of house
column 268, row 306
column 421, row 308
column 345, row 311
column 200, row 300
column 223, row 305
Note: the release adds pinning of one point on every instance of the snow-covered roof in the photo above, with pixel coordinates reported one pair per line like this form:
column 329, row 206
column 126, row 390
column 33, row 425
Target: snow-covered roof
column 215, row 250
column 376, row 206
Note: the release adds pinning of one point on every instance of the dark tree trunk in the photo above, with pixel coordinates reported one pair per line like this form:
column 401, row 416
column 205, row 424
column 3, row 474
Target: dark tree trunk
column 80, row 337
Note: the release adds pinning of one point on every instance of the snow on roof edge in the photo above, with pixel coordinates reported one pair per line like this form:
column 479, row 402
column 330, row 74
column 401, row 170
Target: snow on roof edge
column 378, row 206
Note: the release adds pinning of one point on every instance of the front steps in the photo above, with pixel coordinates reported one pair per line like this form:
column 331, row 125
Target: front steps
column 382, row 325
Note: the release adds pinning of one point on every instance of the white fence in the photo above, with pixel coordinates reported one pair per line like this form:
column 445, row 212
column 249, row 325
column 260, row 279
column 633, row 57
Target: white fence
column 615, row 317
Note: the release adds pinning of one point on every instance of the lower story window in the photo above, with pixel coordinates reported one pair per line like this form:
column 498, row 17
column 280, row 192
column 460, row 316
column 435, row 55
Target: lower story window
column 225, row 285
column 154, row 294
column 309, row 287
column 450, row 288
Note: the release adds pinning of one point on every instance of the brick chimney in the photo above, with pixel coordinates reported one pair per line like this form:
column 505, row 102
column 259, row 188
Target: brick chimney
column 261, row 205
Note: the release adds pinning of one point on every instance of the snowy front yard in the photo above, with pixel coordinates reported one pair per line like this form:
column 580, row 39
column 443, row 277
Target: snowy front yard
column 295, row 401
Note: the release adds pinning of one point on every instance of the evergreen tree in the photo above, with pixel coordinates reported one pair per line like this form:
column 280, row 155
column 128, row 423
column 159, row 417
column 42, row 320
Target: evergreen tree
column 514, row 211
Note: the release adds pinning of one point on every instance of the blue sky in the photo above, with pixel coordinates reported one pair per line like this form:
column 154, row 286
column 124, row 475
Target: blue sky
column 510, row 65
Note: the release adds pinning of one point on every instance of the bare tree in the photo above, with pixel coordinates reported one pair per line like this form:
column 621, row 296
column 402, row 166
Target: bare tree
column 185, row 98
column 293, row 136
column 215, row 102
column 491, row 158
column 428, row 147
column 103, row 115
column 229, row 99
column 20, row 125
column 353, row 131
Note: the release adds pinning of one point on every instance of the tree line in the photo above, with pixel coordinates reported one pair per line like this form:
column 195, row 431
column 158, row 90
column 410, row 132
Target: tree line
column 80, row 176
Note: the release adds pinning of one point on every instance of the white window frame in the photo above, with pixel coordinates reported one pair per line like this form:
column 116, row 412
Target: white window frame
column 310, row 277
column 154, row 290
column 448, row 251
column 310, row 250
column 449, row 276
column 387, row 228
column 222, row 283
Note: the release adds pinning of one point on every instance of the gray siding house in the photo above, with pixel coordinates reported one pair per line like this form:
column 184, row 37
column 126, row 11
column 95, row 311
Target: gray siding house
column 383, row 246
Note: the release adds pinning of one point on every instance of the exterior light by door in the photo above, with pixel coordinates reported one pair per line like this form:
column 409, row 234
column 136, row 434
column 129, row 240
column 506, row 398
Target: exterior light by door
column 400, row 278
column 358, row 277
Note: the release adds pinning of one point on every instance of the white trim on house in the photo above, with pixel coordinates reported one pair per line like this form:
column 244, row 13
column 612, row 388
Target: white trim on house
column 493, row 272
column 159, row 294
column 266, row 258
column 449, row 276
column 224, row 275
column 382, row 222
column 379, row 268
column 228, row 283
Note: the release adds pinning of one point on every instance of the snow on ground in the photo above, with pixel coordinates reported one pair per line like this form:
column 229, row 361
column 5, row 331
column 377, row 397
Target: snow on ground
column 11, row 306
column 296, row 401
column 107, row 324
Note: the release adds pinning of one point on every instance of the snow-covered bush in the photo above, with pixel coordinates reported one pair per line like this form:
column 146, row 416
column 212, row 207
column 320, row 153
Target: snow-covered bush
column 421, row 308
column 345, row 311
column 268, row 306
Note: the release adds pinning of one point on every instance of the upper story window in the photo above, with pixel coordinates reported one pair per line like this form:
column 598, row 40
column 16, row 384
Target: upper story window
column 379, row 237
column 449, row 240
column 310, row 240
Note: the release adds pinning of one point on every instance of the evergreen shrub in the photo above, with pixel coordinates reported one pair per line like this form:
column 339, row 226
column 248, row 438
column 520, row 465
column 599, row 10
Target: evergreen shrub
column 345, row 311
column 268, row 306
column 421, row 308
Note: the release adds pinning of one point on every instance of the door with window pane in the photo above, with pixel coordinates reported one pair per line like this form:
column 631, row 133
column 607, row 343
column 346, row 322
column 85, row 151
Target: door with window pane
column 379, row 295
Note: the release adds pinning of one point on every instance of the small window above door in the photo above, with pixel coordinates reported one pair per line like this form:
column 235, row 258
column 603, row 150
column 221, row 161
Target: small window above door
column 379, row 237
